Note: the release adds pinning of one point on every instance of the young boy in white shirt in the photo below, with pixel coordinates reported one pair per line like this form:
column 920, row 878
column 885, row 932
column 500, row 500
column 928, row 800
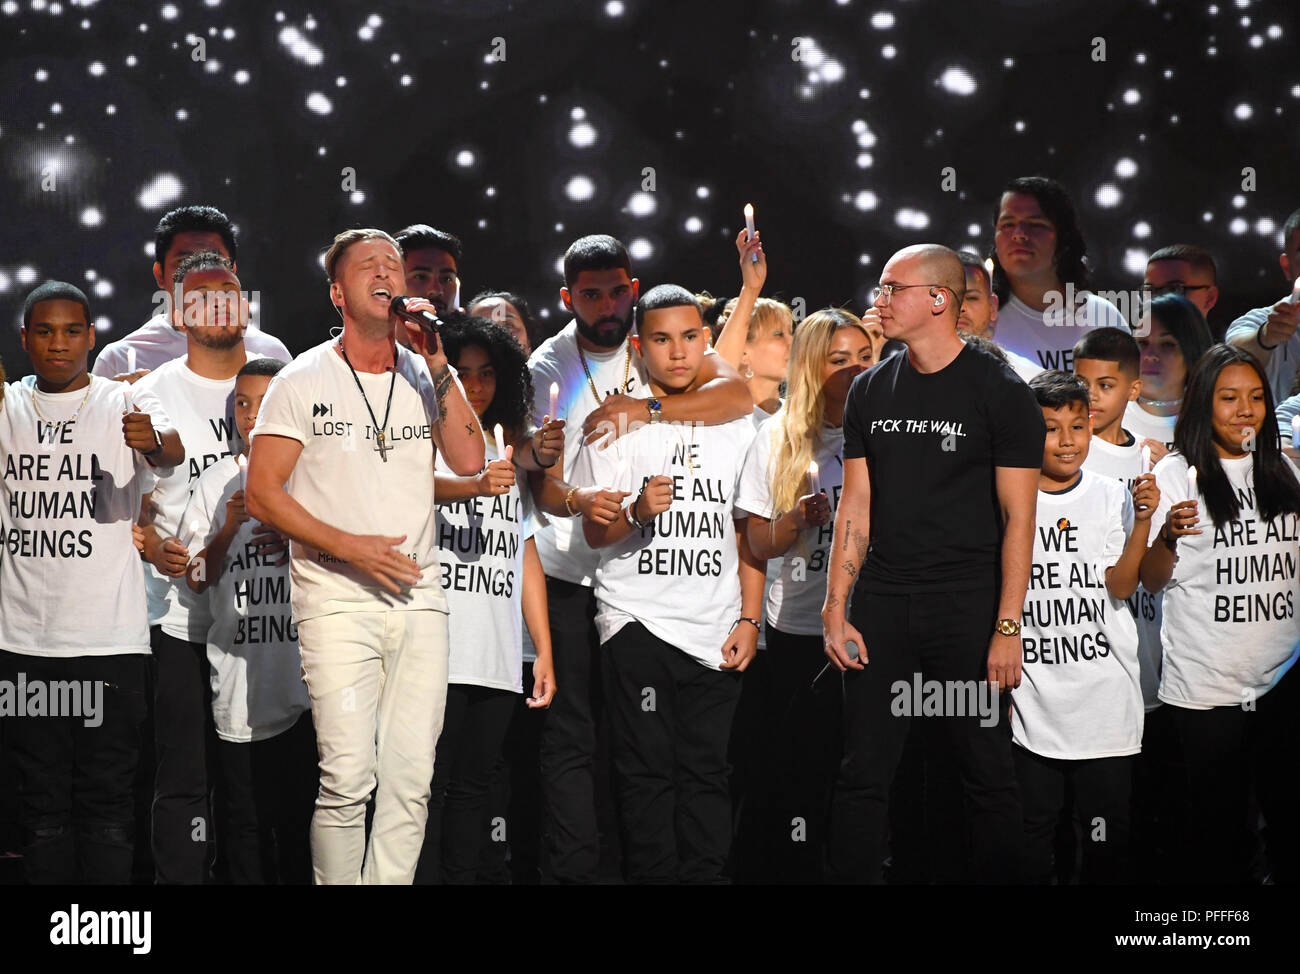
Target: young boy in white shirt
column 76, row 457
column 678, row 599
column 1077, row 715
column 266, row 749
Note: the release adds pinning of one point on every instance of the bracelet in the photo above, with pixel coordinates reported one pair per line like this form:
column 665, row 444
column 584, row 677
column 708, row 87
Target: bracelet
column 540, row 465
column 568, row 498
column 635, row 521
column 1259, row 338
column 1170, row 540
column 752, row 622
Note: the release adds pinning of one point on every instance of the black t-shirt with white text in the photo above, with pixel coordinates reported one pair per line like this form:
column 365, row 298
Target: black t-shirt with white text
column 932, row 442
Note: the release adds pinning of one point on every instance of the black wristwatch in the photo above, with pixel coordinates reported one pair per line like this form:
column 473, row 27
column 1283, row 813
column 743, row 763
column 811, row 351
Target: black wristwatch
column 158, row 445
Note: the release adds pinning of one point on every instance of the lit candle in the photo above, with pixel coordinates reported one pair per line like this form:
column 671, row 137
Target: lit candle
column 814, row 480
column 1191, row 483
column 130, row 358
column 1295, row 432
column 555, row 401
column 1295, row 292
column 749, row 227
column 243, row 472
column 190, row 535
column 501, row 441
column 1146, row 459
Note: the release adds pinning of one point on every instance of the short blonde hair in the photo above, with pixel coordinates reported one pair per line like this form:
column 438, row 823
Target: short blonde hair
column 346, row 239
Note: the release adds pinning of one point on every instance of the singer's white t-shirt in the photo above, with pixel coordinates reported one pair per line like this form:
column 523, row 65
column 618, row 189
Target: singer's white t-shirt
column 341, row 479
column 71, row 580
column 203, row 412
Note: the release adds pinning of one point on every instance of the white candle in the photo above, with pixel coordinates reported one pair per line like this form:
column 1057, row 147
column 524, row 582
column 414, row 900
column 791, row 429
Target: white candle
column 814, row 480
column 1295, row 432
column 501, row 441
column 1191, row 483
column 1295, row 292
column 1146, row 459
column 130, row 358
column 243, row 472
column 190, row 535
column 555, row 401
column 749, row 227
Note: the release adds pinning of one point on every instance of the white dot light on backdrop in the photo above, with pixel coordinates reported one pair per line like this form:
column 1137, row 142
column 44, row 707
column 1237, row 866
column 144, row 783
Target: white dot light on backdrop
column 163, row 189
column 579, row 189
column 1142, row 229
column 582, row 135
column 865, row 200
column 693, row 224
column 1126, row 168
column 641, row 204
column 957, row 81
column 318, row 103
column 641, row 249
column 1135, row 261
column 91, row 217
column 1108, row 195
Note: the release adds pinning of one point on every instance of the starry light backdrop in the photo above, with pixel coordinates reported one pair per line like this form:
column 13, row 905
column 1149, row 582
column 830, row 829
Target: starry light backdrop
column 841, row 150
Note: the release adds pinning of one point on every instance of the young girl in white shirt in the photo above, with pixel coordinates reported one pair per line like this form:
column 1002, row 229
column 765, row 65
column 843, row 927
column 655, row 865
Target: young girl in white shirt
column 1226, row 558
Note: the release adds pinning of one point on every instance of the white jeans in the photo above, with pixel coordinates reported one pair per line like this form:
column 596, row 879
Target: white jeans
column 378, row 688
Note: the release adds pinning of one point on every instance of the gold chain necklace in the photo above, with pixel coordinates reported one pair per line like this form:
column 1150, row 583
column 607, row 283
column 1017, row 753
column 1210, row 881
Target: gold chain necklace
column 627, row 371
column 77, row 412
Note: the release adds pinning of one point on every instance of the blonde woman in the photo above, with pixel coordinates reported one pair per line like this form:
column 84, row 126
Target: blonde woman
column 791, row 521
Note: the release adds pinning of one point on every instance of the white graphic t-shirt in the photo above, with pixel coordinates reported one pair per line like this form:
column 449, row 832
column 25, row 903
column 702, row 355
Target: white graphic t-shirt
column 1046, row 338
column 203, row 412
column 794, row 600
column 1230, row 626
column 1124, row 464
column 1147, row 426
column 342, row 479
column 1080, row 695
column 481, row 556
column 680, row 576
column 564, row 551
column 71, row 579
column 257, row 688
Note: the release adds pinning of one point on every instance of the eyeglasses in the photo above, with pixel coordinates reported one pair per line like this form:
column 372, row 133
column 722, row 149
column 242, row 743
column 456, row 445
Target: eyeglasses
column 888, row 290
column 1173, row 287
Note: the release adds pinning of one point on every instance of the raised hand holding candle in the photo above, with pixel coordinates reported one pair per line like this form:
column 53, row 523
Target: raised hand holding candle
column 130, row 359
column 814, row 480
column 749, row 228
column 1191, row 483
column 501, row 441
column 243, row 472
column 1146, row 459
column 555, row 401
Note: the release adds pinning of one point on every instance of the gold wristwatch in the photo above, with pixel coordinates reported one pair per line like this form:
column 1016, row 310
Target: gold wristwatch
column 1008, row 627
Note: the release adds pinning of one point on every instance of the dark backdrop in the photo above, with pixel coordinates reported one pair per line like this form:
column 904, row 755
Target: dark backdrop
column 841, row 150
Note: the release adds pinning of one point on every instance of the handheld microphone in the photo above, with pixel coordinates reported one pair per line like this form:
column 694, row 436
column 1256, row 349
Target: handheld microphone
column 429, row 322
column 850, row 647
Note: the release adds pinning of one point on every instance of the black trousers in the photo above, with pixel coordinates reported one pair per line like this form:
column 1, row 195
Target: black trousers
column 183, row 731
column 1226, row 750
column 516, row 797
column 943, row 637
column 571, row 833
column 75, row 804
column 670, row 718
column 268, row 794
column 785, row 745
column 1103, row 792
column 1159, row 802
column 469, row 749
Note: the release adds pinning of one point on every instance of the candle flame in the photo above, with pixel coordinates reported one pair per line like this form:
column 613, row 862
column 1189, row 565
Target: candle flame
column 749, row 211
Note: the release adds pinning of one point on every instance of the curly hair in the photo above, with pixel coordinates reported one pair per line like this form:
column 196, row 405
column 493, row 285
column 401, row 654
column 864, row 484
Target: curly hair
column 512, row 403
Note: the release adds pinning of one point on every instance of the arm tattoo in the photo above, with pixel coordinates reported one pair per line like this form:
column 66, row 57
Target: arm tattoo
column 850, row 569
column 848, row 526
column 832, row 602
column 469, row 429
column 441, row 383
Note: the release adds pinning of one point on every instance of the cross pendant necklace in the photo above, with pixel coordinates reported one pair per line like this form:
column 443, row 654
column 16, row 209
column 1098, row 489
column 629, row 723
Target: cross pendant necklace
column 381, row 444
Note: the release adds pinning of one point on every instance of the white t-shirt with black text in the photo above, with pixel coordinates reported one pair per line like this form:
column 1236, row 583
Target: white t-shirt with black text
column 793, row 603
column 156, row 342
column 256, row 671
column 1230, row 626
column 1148, row 426
column 481, row 557
column 1046, row 338
column 203, row 412
column 1080, row 695
column 680, row 577
column 71, row 580
column 341, row 479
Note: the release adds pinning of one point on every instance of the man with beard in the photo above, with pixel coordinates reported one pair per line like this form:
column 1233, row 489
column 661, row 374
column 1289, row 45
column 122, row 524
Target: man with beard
column 602, row 384
column 196, row 391
column 430, row 259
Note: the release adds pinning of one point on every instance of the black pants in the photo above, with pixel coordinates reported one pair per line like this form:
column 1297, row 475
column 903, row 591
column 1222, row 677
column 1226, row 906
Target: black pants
column 941, row 636
column 1103, row 791
column 670, row 718
column 571, row 833
column 788, row 736
column 1159, row 802
column 75, row 805
column 182, row 820
column 268, row 791
column 469, row 748
column 1226, row 750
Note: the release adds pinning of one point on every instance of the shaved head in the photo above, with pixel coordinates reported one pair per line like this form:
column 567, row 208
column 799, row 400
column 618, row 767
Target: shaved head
column 939, row 264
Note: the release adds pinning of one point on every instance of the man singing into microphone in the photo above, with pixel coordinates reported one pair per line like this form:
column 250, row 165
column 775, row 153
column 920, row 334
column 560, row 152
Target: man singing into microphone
column 342, row 463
